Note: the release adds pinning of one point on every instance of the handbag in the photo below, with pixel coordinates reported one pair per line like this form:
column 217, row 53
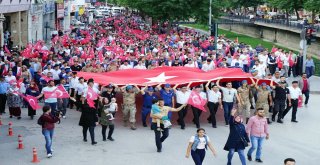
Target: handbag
column 167, row 124
column 243, row 140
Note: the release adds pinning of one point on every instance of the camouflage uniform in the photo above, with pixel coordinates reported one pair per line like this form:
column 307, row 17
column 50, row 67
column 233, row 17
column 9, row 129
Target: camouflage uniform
column 244, row 109
column 129, row 108
column 263, row 100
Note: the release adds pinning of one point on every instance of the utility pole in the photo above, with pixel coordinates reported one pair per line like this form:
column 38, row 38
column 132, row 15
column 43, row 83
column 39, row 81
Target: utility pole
column 46, row 27
column 210, row 15
column 303, row 46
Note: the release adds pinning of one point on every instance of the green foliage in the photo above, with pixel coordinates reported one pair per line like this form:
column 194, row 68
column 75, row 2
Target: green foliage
column 312, row 5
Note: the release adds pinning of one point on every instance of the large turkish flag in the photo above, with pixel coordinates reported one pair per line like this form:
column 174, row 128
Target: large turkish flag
column 170, row 75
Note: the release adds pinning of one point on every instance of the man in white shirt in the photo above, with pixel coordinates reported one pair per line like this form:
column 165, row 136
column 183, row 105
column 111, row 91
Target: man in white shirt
column 263, row 57
column 55, row 74
column 258, row 67
column 191, row 64
column 229, row 94
column 125, row 65
column 208, row 65
column 182, row 97
column 52, row 102
column 10, row 78
column 49, row 69
column 140, row 65
column 197, row 112
column 295, row 93
column 236, row 61
column 73, row 82
column 214, row 101
column 79, row 92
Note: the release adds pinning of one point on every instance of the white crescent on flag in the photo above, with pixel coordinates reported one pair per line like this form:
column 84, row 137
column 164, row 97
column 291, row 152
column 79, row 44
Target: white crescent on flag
column 60, row 93
column 196, row 100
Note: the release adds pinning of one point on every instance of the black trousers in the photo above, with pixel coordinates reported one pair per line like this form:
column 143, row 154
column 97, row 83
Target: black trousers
column 159, row 139
column 294, row 106
column 213, row 108
column 78, row 103
column 91, row 131
column 31, row 111
column 306, row 94
column 71, row 103
column 196, row 116
column 272, row 68
column 104, row 129
column 3, row 100
column 293, row 70
column 279, row 107
column 182, row 114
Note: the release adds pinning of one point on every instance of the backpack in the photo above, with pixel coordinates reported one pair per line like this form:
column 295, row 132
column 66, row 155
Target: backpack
column 40, row 121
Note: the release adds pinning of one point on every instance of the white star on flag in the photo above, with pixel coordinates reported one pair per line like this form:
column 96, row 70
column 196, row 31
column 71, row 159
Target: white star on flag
column 161, row 78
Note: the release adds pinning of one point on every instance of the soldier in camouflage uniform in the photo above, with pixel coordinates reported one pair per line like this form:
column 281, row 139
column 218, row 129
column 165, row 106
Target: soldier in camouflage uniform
column 129, row 105
column 244, row 96
column 263, row 99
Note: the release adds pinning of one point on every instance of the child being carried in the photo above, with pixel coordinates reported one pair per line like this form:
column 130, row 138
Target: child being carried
column 156, row 110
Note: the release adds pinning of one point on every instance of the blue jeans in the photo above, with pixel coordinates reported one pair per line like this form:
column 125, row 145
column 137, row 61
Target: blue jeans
column 309, row 71
column 144, row 113
column 53, row 107
column 198, row 156
column 241, row 156
column 48, row 136
column 256, row 143
column 227, row 107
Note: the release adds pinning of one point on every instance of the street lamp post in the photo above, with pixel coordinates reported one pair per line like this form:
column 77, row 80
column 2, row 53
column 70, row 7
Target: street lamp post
column 210, row 15
column 47, row 27
column 2, row 19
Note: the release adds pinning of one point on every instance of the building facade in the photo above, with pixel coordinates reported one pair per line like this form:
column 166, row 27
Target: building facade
column 14, row 22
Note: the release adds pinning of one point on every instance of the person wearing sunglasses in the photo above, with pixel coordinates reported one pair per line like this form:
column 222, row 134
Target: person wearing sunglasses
column 229, row 94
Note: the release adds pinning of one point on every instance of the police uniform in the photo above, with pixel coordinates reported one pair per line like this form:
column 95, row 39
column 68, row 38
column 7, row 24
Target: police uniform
column 146, row 106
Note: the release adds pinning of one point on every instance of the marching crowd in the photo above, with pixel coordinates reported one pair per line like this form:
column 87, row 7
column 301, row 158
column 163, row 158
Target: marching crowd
column 126, row 42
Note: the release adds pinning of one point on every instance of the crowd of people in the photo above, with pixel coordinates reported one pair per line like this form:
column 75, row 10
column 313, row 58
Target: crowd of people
column 126, row 42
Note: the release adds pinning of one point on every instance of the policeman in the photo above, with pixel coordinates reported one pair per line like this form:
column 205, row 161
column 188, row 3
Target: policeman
column 167, row 94
column 148, row 96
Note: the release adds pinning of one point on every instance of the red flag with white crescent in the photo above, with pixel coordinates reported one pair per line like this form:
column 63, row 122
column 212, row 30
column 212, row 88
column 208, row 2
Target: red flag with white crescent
column 197, row 101
column 92, row 95
column 33, row 102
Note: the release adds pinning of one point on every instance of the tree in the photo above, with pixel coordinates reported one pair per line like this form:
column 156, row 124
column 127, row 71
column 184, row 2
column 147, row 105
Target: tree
column 313, row 6
column 288, row 5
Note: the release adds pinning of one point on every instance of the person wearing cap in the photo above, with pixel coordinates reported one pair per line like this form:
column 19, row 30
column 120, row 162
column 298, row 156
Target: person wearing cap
column 167, row 94
column 129, row 109
column 295, row 94
column 109, row 92
column 182, row 97
column 244, row 96
column 281, row 95
column 229, row 94
column 148, row 95
column 73, row 81
column 52, row 102
column 4, row 88
column 208, row 65
column 264, row 99
column 125, row 65
column 79, row 92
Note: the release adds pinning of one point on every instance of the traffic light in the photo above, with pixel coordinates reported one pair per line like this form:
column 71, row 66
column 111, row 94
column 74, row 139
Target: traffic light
column 212, row 29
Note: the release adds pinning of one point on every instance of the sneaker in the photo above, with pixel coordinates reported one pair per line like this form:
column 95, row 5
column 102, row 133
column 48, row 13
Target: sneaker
column 295, row 121
column 64, row 117
column 249, row 157
column 49, row 155
column 158, row 150
column 259, row 160
column 279, row 121
column 94, row 143
column 110, row 138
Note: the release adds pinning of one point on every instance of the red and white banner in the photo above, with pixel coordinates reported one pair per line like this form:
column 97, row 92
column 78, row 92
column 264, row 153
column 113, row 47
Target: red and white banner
column 197, row 101
column 170, row 75
column 33, row 101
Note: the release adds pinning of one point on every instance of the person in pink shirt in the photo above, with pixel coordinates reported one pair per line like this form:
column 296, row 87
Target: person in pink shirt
column 257, row 129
